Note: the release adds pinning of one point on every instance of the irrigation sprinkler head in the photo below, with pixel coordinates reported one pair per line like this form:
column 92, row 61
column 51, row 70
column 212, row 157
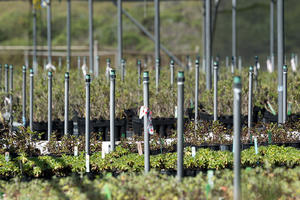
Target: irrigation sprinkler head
column 285, row 69
column 237, row 82
column 251, row 69
column 172, row 62
column 67, row 75
column 216, row 65
column 11, row 67
column 197, row 61
column 31, row 71
column 123, row 61
column 139, row 62
column 146, row 76
column 87, row 78
column 180, row 76
column 24, row 68
column 108, row 60
column 6, row 66
column 49, row 74
column 113, row 74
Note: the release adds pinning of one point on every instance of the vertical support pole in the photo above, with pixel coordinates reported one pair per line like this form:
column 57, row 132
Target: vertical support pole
column 250, row 98
column 0, row 77
column 226, row 62
column 234, row 32
column 285, row 93
column 146, row 132
column 6, row 78
column 240, row 63
column 157, row 31
column 66, row 128
column 34, row 64
column 208, row 44
column 112, row 109
column 49, row 32
column 272, row 32
column 139, row 66
column 68, row 34
column 172, row 72
column 120, row 33
column 59, row 62
column 11, row 77
column 256, row 73
column 78, row 64
column 216, row 66
column 49, row 104
column 180, row 108
column 280, row 54
column 107, row 67
column 237, row 89
column 87, row 122
column 97, row 65
column 31, row 100
column 203, row 36
column 123, row 69
column 196, row 90
column 157, row 66
column 91, row 36
column 24, row 97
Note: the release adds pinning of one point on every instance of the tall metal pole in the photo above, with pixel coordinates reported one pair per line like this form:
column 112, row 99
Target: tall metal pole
column 67, row 77
column 91, row 37
column 196, row 89
column 139, row 66
column 272, row 31
column 24, row 97
column 157, row 61
column 208, row 44
column 11, row 78
column 49, row 32
column 34, row 39
column 285, row 93
column 157, row 31
column 146, row 132
column 0, row 77
column 68, row 34
column 234, row 32
column 120, row 33
column 180, row 109
column 31, row 100
column 112, row 109
column 250, row 97
column 49, row 104
column 172, row 72
column 87, row 123
column 122, row 69
column 204, row 32
column 237, row 89
column 6, row 78
column 280, row 54
column 216, row 66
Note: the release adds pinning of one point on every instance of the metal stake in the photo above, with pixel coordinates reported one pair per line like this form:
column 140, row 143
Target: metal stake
column 49, row 104
column 237, row 89
column 250, row 97
column 157, row 63
column 120, row 33
column 157, row 30
column 68, row 34
column 6, row 78
column 146, row 133
column 123, row 69
column 180, row 108
column 10, row 94
column 216, row 66
column 34, row 39
column 285, row 93
column 112, row 109
column 24, row 97
column 31, row 100
column 172, row 72
column 139, row 66
column 208, row 44
column 91, row 36
column 87, row 122
column 67, row 77
column 49, row 32
column 196, row 90
column 234, row 32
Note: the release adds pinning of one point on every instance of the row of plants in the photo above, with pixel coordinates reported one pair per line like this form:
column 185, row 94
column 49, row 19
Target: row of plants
column 206, row 133
column 130, row 95
column 256, row 183
column 121, row 160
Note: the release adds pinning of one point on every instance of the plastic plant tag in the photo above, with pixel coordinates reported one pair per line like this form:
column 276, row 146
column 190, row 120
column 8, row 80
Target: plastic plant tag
column 193, row 152
column 255, row 145
column 210, row 175
column 139, row 147
column 7, row 156
column 75, row 150
column 105, row 149
column 146, row 111
column 271, row 108
column 87, row 163
column 289, row 112
column 175, row 114
column 269, row 137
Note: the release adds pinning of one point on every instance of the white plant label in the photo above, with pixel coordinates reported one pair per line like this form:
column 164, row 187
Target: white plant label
column 76, row 151
column 87, row 163
column 193, row 152
column 7, row 156
column 255, row 145
column 210, row 175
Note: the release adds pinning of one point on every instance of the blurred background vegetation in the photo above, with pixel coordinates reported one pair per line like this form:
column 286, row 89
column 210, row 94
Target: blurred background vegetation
column 181, row 26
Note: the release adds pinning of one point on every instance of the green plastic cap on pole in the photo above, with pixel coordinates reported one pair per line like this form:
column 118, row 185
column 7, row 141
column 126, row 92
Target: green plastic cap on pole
column 139, row 62
column 67, row 75
column 11, row 67
column 108, row 60
column 237, row 82
column 197, row 61
column 49, row 73
column 285, row 69
column 6, row 65
column 112, row 73
column 251, row 69
column 216, row 64
column 172, row 62
column 146, row 76
column 180, row 76
column 123, row 61
column 31, row 71
column 24, row 68
column 87, row 78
